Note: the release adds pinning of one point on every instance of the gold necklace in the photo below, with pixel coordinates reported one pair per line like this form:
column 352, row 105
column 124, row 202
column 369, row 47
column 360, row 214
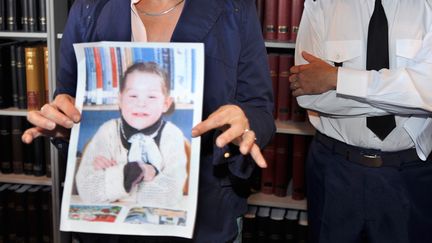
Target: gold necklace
column 163, row 12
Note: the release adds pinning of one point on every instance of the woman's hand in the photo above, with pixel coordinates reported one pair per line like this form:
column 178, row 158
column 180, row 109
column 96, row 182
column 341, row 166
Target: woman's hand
column 53, row 120
column 149, row 171
column 235, row 126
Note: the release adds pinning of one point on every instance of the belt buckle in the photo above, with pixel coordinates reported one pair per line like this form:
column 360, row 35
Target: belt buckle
column 371, row 160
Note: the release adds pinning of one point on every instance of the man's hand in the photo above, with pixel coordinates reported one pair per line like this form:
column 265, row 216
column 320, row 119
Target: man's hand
column 54, row 119
column 235, row 126
column 317, row 77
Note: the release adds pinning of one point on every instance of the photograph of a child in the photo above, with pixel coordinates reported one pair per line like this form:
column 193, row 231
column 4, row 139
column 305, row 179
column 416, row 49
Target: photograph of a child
column 133, row 148
column 138, row 157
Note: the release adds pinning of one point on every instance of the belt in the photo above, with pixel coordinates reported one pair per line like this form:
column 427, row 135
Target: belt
column 367, row 157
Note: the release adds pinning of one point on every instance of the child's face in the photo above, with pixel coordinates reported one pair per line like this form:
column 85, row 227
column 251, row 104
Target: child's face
column 143, row 99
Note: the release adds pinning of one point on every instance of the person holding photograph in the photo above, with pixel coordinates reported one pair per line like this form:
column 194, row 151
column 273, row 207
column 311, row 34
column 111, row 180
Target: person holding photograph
column 139, row 156
column 237, row 102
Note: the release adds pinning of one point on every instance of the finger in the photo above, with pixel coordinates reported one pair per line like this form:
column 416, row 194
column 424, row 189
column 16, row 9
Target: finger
column 36, row 118
column 248, row 140
column 215, row 120
column 229, row 135
column 66, row 104
column 30, row 134
column 294, row 85
column 257, row 156
column 294, row 69
column 52, row 113
column 297, row 92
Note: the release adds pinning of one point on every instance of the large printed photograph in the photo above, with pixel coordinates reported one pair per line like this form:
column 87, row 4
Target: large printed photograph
column 133, row 165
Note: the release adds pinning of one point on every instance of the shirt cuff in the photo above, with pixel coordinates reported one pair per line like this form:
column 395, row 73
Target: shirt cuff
column 352, row 82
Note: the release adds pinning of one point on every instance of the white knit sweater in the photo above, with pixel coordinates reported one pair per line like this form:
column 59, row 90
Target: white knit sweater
column 106, row 185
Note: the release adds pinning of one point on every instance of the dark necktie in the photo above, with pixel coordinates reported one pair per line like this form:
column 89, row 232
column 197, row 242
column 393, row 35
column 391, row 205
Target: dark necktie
column 376, row 59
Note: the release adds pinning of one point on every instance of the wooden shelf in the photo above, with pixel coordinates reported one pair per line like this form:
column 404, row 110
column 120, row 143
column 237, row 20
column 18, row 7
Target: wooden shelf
column 25, row 179
column 13, row 112
column 22, row 34
column 298, row 128
column 278, row 44
column 270, row 200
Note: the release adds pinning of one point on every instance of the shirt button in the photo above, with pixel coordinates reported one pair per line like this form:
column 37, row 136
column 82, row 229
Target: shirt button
column 227, row 155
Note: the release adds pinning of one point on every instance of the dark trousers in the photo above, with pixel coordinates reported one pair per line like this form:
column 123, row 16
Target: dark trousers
column 349, row 202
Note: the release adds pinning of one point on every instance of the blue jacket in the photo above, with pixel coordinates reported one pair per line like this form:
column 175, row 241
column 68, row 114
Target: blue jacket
column 236, row 72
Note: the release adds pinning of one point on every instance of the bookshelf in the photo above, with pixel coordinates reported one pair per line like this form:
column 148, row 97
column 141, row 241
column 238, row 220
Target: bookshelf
column 283, row 127
column 56, row 14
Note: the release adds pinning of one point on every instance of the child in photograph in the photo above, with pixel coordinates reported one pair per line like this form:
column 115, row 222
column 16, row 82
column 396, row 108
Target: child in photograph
column 138, row 157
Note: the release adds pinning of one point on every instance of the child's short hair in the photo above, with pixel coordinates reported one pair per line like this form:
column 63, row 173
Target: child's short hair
column 147, row 67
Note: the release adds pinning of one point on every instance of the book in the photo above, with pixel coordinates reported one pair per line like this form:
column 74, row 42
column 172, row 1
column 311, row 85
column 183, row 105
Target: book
column 249, row 225
column 282, row 166
column 11, row 15
column 46, row 73
column 41, row 16
column 11, row 212
column 28, row 159
column 2, row 15
column 34, row 77
column 6, row 85
column 273, row 60
column 3, row 213
column 13, row 75
column 298, row 158
column 267, row 174
column 39, row 162
column 276, row 227
column 21, row 75
column 270, row 19
column 298, row 113
column 302, row 228
column 46, row 212
column 5, row 145
column 32, row 15
column 284, row 20
column 20, row 219
column 290, row 226
column 17, row 144
column 296, row 13
column 263, row 223
column 286, row 61
column 24, row 15
column 34, row 216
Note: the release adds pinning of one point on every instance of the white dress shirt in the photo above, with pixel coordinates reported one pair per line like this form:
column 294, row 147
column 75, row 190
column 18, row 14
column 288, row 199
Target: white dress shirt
column 336, row 31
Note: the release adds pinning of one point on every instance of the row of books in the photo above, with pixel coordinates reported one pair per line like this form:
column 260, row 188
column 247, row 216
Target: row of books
column 280, row 18
column 105, row 67
column 24, row 72
column 25, row 213
column 285, row 156
column 274, row 225
column 23, row 15
column 17, row 157
column 286, row 106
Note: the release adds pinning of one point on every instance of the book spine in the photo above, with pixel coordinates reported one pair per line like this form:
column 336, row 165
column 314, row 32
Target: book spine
column 34, row 218
column 42, row 15
column 39, row 157
column 297, row 10
column 267, row 174
column 25, row 15
column 47, row 153
column 5, row 144
column 13, row 75
column 46, row 207
column 6, row 97
column 273, row 60
column 46, row 73
column 298, row 114
column 17, row 145
column 2, row 15
column 284, row 92
column 20, row 74
column 34, row 75
column 99, row 78
column 33, row 15
column 299, row 154
column 11, row 15
column 282, row 161
column 283, row 20
column 270, row 19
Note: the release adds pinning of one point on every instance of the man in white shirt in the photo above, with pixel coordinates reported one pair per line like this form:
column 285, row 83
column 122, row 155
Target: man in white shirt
column 363, row 184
